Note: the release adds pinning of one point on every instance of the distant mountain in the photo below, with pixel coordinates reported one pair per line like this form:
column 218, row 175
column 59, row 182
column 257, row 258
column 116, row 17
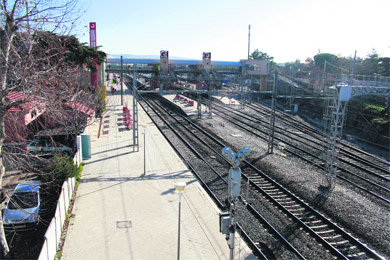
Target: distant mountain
column 135, row 56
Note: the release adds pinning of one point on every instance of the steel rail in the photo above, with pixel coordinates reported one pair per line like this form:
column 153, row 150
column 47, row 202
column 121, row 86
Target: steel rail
column 367, row 250
column 312, row 132
column 219, row 203
column 280, row 130
column 307, row 160
column 343, row 146
column 258, row 215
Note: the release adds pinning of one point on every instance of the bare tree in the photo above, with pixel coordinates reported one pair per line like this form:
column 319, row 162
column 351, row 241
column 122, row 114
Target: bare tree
column 29, row 61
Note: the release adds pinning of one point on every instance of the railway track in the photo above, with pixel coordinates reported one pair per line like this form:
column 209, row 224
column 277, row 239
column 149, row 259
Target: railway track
column 322, row 230
column 373, row 163
column 310, row 149
column 215, row 183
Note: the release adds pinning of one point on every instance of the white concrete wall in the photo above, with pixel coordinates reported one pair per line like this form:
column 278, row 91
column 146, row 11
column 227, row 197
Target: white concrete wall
column 53, row 233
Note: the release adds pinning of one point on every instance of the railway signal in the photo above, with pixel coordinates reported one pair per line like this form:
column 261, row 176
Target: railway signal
column 234, row 187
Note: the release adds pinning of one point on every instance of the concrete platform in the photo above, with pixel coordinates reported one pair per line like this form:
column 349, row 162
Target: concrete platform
column 229, row 101
column 119, row 213
column 192, row 110
column 189, row 110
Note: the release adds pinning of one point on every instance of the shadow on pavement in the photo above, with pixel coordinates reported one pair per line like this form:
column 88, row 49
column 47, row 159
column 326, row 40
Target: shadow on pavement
column 121, row 180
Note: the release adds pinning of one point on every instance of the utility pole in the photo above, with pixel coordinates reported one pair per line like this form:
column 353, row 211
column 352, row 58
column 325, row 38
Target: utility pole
column 353, row 67
column 249, row 40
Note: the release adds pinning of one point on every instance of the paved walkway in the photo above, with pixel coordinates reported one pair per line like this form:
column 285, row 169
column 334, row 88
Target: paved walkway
column 121, row 214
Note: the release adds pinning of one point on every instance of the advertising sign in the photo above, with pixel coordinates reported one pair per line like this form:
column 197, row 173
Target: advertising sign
column 92, row 43
column 92, row 34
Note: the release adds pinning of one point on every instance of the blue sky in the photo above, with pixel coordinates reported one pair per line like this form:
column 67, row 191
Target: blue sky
column 285, row 29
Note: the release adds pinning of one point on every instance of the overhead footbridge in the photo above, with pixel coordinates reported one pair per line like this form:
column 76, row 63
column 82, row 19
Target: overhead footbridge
column 165, row 71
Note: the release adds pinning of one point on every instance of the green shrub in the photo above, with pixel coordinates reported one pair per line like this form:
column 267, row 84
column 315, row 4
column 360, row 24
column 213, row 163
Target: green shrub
column 60, row 169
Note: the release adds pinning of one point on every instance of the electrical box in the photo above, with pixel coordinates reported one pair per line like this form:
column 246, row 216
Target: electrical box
column 234, row 182
column 224, row 223
column 345, row 93
column 86, row 146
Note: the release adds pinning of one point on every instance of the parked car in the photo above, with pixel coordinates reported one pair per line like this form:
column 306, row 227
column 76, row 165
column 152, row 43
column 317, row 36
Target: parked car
column 47, row 147
column 22, row 209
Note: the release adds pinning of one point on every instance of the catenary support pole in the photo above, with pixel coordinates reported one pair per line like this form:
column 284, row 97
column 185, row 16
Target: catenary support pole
column 121, row 80
column 272, row 118
column 353, row 67
column 249, row 40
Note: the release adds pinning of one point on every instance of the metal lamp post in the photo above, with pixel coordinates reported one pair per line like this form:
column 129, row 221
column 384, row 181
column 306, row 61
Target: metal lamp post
column 234, row 186
column 179, row 186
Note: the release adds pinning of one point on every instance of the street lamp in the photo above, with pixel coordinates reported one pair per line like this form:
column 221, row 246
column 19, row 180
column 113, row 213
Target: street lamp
column 144, row 127
column 179, row 186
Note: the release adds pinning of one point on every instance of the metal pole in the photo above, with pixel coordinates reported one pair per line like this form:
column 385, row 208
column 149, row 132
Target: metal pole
column 249, row 40
column 199, row 106
column 135, row 112
column 121, row 80
column 353, row 67
column 178, row 229
column 232, row 232
column 272, row 118
column 247, row 189
column 324, row 71
column 144, row 151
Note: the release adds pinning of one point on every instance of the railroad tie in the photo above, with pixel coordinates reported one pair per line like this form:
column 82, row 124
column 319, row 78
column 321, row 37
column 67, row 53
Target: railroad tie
column 293, row 207
column 360, row 254
column 325, row 231
column 319, row 227
column 285, row 201
column 312, row 222
column 332, row 237
column 267, row 185
column 342, row 242
column 280, row 196
column 271, row 190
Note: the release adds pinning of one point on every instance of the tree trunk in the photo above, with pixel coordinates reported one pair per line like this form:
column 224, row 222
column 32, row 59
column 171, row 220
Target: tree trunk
column 3, row 239
column 6, row 38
